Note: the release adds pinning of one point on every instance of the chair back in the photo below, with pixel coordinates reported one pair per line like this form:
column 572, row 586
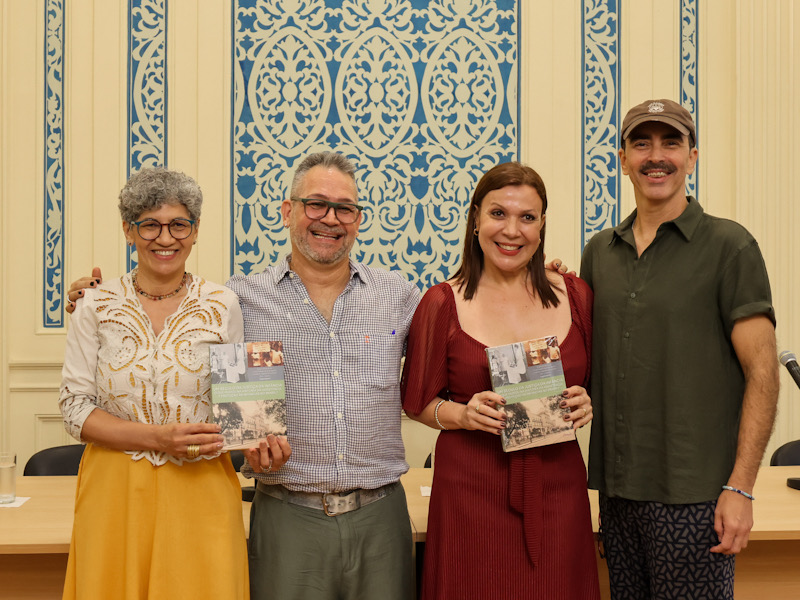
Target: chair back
column 237, row 458
column 787, row 455
column 60, row 460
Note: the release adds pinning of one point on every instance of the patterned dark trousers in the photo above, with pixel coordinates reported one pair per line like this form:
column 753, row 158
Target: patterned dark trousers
column 662, row 551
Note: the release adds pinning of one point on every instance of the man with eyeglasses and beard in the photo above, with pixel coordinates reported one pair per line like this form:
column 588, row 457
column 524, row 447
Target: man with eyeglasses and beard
column 333, row 521
column 684, row 374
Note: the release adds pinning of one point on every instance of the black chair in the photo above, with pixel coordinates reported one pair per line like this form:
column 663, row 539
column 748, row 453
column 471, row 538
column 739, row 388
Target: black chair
column 237, row 458
column 60, row 460
column 787, row 455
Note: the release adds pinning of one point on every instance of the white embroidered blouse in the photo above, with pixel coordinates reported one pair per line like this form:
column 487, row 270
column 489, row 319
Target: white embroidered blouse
column 114, row 361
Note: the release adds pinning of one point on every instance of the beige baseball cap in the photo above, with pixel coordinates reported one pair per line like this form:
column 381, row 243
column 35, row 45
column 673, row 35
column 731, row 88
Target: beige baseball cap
column 663, row 111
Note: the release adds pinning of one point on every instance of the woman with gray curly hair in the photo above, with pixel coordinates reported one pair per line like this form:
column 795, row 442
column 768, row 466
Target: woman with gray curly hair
column 153, row 489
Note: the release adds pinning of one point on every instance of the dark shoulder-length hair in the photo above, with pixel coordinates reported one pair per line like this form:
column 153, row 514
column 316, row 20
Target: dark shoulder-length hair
column 469, row 273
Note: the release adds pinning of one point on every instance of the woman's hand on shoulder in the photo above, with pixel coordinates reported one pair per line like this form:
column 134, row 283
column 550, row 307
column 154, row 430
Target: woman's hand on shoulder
column 558, row 265
column 270, row 455
column 579, row 404
column 481, row 413
column 176, row 438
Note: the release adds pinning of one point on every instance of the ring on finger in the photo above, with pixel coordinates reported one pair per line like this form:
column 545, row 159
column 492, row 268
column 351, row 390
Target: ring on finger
column 269, row 468
column 478, row 408
column 585, row 412
column 193, row 451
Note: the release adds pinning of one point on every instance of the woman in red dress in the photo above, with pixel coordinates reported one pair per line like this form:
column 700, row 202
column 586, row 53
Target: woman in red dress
column 502, row 525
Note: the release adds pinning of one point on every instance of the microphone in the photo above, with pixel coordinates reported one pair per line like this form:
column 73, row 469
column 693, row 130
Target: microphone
column 789, row 360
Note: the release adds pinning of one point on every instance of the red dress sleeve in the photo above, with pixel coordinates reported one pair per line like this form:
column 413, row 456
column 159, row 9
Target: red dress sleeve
column 581, row 299
column 425, row 371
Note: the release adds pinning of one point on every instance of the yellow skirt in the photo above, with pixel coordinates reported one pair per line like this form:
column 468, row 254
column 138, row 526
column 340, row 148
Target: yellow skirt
column 145, row 532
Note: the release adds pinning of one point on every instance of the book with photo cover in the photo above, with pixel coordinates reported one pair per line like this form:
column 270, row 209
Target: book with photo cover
column 530, row 376
column 248, row 394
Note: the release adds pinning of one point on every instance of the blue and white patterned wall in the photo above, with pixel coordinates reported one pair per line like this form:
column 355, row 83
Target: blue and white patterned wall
column 421, row 94
column 147, row 89
column 53, row 226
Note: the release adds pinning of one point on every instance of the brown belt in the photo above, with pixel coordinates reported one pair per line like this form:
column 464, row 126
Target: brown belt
column 332, row 503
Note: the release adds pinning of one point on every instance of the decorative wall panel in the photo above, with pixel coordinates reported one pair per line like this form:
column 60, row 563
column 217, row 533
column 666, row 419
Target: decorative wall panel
column 53, row 226
column 689, row 93
column 601, row 82
column 421, row 95
column 147, row 88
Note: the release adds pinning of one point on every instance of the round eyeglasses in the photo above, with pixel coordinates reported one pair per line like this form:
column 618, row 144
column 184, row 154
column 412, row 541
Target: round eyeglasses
column 316, row 209
column 150, row 229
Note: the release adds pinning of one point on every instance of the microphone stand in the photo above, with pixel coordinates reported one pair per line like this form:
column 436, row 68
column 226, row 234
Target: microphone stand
column 789, row 360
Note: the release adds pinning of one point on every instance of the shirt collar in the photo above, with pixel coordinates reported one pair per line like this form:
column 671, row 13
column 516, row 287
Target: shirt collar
column 686, row 223
column 358, row 272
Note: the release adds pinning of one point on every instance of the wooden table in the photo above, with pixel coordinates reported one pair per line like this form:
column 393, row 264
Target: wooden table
column 34, row 539
column 769, row 568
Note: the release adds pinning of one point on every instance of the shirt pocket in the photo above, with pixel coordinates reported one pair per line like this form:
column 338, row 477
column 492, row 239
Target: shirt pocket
column 379, row 360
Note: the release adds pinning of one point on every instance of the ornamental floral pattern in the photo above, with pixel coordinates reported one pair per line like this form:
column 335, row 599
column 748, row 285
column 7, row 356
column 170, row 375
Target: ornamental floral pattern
column 147, row 88
column 601, row 119
column 689, row 93
column 420, row 95
column 53, row 226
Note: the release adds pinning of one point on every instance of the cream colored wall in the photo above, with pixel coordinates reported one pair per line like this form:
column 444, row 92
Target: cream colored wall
column 749, row 82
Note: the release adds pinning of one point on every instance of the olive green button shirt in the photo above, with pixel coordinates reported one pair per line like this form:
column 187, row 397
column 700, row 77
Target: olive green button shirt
column 666, row 386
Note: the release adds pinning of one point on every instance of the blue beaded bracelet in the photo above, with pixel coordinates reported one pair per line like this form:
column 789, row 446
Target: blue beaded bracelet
column 738, row 491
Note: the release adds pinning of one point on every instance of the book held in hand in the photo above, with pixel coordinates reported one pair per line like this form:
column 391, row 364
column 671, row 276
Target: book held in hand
column 530, row 377
column 248, row 392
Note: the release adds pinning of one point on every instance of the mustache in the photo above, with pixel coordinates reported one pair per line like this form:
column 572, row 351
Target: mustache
column 658, row 166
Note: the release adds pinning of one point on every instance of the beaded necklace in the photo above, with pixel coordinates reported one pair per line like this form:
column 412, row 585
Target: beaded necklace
column 163, row 296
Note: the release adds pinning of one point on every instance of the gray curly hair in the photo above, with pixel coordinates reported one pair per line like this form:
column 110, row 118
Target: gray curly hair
column 151, row 188
column 322, row 159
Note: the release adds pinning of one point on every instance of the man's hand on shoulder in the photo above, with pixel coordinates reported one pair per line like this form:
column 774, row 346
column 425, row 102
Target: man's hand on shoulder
column 75, row 292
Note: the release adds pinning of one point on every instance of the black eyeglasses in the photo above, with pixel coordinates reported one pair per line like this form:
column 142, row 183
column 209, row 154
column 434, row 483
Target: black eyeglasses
column 316, row 209
column 150, row 229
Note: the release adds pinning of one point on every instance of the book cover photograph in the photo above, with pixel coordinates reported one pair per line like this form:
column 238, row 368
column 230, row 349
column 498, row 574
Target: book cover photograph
column 530, row 376
column 248, row 392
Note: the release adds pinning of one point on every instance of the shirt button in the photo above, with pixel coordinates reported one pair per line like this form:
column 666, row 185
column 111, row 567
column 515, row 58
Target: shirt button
column 291, row 275
column 619, row 417
column 338, row 415
column 336, row 373
column 305, row 300
column 633, row 294
column 622, row 375
column 341, row 456
column 627, row 334
column 333, row 334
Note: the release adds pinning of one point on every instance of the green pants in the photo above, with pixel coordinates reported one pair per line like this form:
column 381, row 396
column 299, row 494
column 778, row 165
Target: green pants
column 300, row 553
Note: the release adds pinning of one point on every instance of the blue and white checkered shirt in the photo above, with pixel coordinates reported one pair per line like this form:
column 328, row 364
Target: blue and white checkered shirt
column 342, row 378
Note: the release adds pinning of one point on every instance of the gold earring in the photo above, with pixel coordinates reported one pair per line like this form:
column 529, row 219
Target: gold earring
column 475, row 231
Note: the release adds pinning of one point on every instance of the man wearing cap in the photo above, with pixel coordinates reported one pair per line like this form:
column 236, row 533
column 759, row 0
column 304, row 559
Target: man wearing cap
column 684, row 373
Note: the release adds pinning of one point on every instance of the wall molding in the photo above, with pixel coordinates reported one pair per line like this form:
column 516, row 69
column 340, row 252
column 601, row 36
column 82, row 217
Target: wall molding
column 34, row 366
